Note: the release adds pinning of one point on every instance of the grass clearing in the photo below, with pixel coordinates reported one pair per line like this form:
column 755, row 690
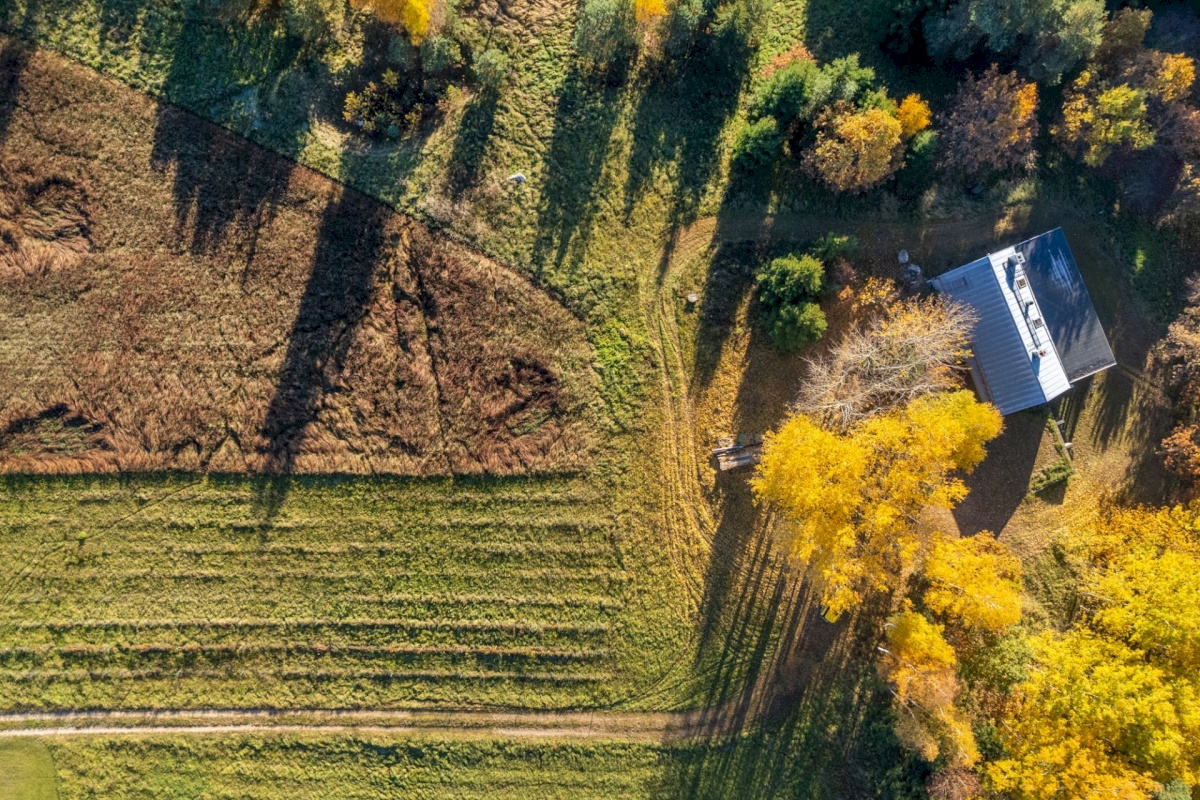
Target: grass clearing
column 26, row 771
column 357, row 766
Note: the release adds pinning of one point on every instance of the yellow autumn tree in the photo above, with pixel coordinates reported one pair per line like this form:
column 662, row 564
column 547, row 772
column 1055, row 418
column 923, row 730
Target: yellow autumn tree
column 974, row 580
column 1173, row 77
column 1112, row 707
column 913, row 115
column 1097, row 120
column 849, row 502
column 921, row 667
column 647, row 11
column 856, row 150
column 413, row 15
column 1093, row 720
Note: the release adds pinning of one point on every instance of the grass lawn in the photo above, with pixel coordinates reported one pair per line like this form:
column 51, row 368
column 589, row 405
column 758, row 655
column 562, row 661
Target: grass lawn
column 356, row 767
column 26, row 771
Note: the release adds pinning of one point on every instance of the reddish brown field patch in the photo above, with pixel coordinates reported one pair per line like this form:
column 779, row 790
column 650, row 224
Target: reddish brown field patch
column 173, row 297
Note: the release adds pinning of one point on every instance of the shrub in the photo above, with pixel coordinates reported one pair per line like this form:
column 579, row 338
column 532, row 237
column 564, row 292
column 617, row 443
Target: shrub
column 787, row 290
column 758, row 146
column 491, row 68
column 792, row 327
column 440, row 54
column 914, row 115
column 831, row 247
column 388, row 105
column 1058, row 472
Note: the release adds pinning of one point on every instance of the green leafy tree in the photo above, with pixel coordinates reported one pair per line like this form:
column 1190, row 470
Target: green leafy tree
column 793, row 93
column 491, row 68
column 1047, row 37
column 758, row 146
column 787, row 292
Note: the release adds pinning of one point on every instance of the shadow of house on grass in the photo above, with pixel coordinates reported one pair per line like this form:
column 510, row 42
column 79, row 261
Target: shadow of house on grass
column 1001, row 481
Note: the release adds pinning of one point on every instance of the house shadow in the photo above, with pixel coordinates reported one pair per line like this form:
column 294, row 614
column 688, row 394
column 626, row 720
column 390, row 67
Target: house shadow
column 1001, row 481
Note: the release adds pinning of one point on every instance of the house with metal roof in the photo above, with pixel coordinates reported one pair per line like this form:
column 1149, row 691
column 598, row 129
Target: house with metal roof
column 1038, row 333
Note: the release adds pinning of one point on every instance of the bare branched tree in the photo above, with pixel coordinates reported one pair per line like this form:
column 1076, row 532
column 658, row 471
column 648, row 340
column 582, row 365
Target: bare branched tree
column 916, row 347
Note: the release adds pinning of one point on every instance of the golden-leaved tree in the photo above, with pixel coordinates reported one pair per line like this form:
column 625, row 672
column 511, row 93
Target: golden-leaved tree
column 849, row 502
column 914, row 115
column 856, row 150
column 1097, row 120
column 921, row 667
column 1111, row 708
column 974, row 580
column 649, row 11
column 413, row 15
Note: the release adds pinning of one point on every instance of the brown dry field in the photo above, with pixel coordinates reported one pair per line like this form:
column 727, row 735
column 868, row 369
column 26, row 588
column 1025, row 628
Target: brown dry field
column 173, row 297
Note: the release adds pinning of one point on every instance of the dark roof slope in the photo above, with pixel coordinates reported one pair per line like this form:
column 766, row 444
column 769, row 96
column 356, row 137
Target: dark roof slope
column 1065, row 304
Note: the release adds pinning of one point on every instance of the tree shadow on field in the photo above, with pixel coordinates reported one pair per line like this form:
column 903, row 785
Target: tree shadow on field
column 223, row 184
column 471, row 141
column 589, row 105
column 681, row 111
column 351, row 243
column 793, row 706
column 14, row 56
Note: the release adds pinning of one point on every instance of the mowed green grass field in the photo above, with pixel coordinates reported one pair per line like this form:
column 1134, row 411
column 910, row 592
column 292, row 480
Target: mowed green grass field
column 26, row 771
column 180, row 592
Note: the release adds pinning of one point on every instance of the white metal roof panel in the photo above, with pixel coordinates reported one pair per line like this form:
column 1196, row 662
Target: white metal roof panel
column 1009, row 271
column 1001, row 361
